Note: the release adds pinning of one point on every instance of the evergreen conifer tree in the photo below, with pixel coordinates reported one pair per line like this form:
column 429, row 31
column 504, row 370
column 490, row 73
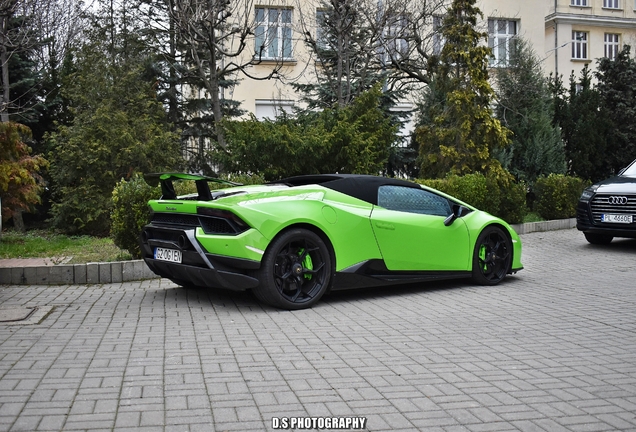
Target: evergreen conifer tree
column 524, row 105
column 617, row 91
column 458, row 132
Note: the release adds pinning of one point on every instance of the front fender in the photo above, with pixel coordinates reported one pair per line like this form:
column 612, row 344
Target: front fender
column 478, row 220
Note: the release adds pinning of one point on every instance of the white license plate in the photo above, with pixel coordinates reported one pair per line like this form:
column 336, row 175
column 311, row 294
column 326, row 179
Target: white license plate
column 616, row 218
column 171, row 255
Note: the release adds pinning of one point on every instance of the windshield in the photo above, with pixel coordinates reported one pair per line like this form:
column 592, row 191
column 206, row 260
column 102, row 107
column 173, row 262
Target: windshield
column 630, row 171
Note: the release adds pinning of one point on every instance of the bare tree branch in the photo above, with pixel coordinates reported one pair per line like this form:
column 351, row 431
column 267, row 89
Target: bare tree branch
column 50, row 29
column 216, row 34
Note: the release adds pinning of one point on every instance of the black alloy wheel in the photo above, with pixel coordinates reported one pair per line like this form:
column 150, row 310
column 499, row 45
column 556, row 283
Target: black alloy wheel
column 492, row 256
column 296, row 270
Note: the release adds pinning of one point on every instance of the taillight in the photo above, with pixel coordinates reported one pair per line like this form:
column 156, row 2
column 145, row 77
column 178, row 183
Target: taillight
column 224, row 214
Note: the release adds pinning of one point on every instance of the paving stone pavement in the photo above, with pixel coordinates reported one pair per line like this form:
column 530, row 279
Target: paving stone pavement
column 553, row 348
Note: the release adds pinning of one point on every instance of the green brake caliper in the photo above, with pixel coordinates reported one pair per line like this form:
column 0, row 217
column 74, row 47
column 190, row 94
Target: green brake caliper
column 307, row 263
column 482, row 256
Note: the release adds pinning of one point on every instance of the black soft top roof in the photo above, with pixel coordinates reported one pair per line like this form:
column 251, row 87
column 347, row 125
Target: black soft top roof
column 364, row 187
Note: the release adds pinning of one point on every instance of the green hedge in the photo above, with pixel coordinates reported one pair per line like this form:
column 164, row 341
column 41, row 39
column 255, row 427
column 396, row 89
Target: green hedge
column 130, row 212
column 557, row 195
column 501, row 197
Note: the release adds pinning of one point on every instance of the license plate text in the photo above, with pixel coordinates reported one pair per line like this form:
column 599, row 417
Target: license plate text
column 171, row 255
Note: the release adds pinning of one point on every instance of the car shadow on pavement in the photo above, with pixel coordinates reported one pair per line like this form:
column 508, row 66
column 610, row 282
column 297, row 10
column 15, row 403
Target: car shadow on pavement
column 618, row 245
column 214, row 297
column 419, row 288
column 246, row 299
column 217, row 298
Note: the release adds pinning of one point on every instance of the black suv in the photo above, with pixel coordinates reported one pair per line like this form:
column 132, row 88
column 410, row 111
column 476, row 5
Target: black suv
column 608, row 208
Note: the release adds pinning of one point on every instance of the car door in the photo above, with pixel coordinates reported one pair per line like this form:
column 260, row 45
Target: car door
column 409, row 227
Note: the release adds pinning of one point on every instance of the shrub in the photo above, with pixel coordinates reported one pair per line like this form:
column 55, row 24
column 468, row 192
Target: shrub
column 557, row 195
column 118, row 127
column 513, row 207
column 352, row 139
column 497, row 195
column 20, row 187
column 244, row 179
column 130, row 212
column 471, row 188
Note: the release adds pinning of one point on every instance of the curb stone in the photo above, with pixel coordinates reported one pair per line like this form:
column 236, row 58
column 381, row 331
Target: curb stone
column 126, row 271
column 69, row 274
column 552, row 225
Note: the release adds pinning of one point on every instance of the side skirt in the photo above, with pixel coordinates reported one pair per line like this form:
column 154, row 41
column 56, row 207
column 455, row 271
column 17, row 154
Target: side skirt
column 374, row 273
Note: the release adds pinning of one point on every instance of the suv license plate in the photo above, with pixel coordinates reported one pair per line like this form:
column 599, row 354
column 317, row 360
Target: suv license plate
column 171, row 255
column 616, row 218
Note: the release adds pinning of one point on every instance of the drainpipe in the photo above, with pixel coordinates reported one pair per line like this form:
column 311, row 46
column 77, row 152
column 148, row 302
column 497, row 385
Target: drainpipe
column 556, row 49
column 556, row 40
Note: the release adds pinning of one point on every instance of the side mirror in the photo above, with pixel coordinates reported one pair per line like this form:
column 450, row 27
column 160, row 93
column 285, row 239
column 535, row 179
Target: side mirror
column 457, row 212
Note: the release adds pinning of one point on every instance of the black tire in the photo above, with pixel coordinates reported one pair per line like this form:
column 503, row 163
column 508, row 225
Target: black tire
column 492, row 256
column 296, row 270
column 598, row 239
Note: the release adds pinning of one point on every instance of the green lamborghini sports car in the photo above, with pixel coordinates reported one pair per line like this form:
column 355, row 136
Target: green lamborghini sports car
column 293, row 240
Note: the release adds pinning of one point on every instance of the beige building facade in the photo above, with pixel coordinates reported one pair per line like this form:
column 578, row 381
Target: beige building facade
column 578, row 32
column 565, row 35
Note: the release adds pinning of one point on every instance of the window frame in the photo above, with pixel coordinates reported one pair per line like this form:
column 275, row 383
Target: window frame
column 276, row 107
column 394, row 43
column 611, row 4
column 505, row 40
column 438, row 39
column 579, row 3
column 277, row 34
column 611, row 47
column 321, row 37
column 580, row 48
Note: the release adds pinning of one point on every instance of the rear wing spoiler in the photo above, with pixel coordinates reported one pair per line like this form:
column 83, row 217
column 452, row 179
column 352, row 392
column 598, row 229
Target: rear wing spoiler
column 167, row 188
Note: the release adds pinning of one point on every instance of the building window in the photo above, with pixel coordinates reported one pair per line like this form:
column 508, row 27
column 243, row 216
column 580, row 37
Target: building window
column 579, row 45
column 394, row 44
column 270, row 109
column 438, row 38
column 501, row 35
column 273, row 33
column 612, row 45
column 405, row 112
column 321, row 34
column 610, row 4
column 578, row 3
